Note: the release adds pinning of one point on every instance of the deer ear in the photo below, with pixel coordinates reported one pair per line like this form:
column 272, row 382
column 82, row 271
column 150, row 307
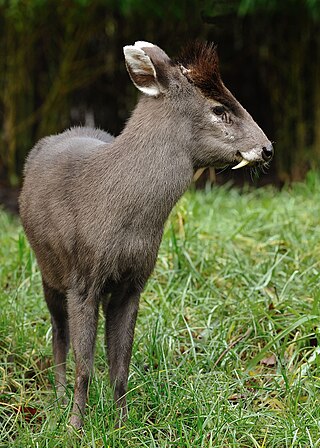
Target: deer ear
column 141, row 70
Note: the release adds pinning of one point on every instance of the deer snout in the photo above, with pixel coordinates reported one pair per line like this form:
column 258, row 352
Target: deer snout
column 267, row 152
column 255, row 155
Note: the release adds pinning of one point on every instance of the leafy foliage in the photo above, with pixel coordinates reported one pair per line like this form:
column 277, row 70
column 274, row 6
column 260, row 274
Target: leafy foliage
column 270, row 6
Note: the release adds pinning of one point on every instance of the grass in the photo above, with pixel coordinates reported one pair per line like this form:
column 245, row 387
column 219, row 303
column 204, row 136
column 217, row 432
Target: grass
column 226, row 350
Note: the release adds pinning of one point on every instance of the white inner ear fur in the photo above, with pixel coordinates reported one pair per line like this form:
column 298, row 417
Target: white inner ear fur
column 140, row 64
column 138, row 61
column 143, row 44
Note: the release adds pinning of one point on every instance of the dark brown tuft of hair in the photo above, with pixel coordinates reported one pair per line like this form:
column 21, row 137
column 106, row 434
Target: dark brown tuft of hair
column 200, row 56
column 202, row 64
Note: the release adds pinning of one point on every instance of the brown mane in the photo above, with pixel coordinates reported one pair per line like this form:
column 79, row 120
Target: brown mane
column 202, row 62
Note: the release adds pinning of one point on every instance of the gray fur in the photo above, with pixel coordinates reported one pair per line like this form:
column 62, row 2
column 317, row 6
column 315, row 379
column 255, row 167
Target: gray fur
column 94, row 208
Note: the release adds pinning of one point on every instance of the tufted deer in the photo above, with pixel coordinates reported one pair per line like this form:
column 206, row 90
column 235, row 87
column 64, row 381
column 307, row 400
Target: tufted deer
column 94, row 207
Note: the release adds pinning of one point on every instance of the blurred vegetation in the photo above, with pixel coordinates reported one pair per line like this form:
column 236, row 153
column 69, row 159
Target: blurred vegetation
column 61, row 64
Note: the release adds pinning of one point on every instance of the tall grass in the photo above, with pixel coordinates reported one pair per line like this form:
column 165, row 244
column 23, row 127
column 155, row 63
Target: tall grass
column 226, row 350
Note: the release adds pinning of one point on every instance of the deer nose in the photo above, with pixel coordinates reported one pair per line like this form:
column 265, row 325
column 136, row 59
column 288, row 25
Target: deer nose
column 267, row 152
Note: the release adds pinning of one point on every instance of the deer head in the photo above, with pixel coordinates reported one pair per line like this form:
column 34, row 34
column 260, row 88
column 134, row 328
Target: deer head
column 221, row 131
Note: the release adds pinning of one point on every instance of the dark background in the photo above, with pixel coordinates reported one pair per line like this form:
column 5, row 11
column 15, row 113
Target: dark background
column 61, row 64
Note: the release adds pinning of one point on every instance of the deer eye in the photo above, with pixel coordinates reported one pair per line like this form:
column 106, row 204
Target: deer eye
column 218, row 110
column 221, row 112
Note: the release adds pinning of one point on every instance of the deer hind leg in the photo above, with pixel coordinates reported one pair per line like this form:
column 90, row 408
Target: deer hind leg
column 83, row 319
column 121, row 313
column 57, row 305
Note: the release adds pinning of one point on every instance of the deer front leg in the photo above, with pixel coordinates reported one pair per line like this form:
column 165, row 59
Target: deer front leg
column 121, row 313
column 83, row 319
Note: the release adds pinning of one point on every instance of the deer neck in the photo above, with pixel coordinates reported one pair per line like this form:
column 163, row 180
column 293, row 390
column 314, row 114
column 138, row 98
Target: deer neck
column 154, row 148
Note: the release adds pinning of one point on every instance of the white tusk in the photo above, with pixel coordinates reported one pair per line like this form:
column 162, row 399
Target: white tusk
column 243, row 162
column 198, row 174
